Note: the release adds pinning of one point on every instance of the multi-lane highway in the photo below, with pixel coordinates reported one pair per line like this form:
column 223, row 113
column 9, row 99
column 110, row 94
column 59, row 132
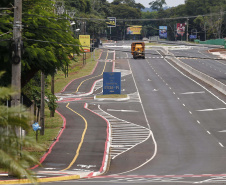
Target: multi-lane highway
column 171, row 130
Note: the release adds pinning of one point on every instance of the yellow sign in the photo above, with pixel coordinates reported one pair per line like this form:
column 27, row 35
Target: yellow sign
column 111, row 22
column 134, row 30
column 85, row 42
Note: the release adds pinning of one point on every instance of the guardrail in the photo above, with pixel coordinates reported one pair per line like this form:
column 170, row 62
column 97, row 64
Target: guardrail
column 204, row 77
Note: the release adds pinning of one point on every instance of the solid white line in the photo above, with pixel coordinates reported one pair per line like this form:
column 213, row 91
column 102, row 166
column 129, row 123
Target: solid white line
column 136, row 140
column 128, row 134
column 206, row 110
column 114, row 110
column 201, row 92
column 223, row 131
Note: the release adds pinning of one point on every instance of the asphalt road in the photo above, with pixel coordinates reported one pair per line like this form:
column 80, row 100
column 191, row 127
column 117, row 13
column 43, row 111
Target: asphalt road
column 204, row 62
column 171, row 130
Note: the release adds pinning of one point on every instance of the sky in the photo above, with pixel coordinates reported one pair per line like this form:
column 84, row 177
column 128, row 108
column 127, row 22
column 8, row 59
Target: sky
column 169, row 3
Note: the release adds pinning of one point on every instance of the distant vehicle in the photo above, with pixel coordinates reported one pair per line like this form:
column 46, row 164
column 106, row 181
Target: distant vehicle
column 145, row 39
column 138, row 50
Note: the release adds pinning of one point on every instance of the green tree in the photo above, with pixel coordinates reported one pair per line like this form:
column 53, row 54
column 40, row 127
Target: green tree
column 157, row 5
column 13, row 157
column 48, row 40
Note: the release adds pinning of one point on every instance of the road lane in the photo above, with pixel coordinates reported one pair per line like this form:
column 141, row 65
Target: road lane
column 187, row 139
column 204, row 62
column 183, row 145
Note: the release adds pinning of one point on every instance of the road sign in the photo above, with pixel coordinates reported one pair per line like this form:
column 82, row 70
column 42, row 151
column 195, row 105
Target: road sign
column 112, row 83
column 85, row 42
column 36, row 126
column 111, row 22
column 193, row 36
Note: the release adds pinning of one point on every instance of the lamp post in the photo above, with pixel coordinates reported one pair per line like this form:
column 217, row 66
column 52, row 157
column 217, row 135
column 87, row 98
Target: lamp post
column 187, row 29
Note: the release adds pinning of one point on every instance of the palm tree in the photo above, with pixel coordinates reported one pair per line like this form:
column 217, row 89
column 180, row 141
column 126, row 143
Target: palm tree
column 13, row 159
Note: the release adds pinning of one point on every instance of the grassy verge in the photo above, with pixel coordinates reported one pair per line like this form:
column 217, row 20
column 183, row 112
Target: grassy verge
column 76, row 70
column 54, row 124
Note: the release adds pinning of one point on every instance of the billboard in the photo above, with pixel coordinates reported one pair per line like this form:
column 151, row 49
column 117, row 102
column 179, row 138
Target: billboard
column 180, row 28
column 163, row 32
column 85, row 42
column 134, row 30
column 111, row 22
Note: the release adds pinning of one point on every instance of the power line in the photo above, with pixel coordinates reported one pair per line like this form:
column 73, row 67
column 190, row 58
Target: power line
column 6, row 33
column 188, row 57
column 45, row 41
column 157, row 19
column 5, row 40
column 7, row 8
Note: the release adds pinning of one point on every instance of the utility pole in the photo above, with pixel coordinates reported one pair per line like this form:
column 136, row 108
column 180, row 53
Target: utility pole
column 187, row 29
column 42, row 111
column 16, row 55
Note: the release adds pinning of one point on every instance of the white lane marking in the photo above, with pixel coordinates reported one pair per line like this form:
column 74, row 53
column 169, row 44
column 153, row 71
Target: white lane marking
column 222, row 131
column 208, row 132
column 195, row 82
column 201, row 92
column 221, row 144
column 149, row 127
column 206, row 110
column 149, row 80
column 124, row 133
column 114, row 110
column 49, row 168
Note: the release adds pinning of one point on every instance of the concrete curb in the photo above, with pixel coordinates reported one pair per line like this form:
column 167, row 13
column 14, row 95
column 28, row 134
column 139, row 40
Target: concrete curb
column 205, row 78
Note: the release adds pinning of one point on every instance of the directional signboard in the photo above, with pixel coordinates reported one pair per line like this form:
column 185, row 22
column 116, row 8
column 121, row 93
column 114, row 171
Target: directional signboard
column 111, row 22
column 112, row 83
